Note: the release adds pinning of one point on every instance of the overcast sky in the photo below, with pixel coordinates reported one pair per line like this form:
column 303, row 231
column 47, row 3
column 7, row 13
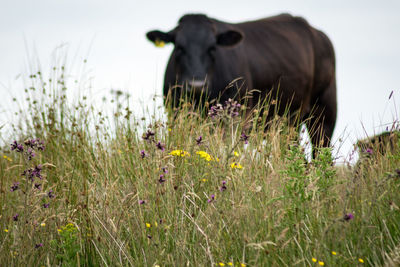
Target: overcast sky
column 111, row 35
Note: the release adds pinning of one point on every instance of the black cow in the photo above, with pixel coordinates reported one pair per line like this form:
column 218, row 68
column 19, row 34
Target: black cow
column 281, row 56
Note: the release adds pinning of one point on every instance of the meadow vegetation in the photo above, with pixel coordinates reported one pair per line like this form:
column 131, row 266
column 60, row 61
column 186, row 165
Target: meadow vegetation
column 80, row 188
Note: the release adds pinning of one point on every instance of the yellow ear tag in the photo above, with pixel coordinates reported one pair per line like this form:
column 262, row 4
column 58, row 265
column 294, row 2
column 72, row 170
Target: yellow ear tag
column 159, row 43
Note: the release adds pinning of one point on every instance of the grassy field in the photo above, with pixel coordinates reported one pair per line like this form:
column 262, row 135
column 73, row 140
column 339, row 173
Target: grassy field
column 82, row 188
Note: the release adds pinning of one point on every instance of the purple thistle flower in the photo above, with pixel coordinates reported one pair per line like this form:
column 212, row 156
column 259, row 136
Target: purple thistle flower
column 223, row 187
column 212, row 197
column 244, row 138
column 17, row 147
column 46, row 205
column 39, row 245
column 164, row 169
column 143, row 154
column 347, row 217
column 148, row 135
column 141, row 202
column 50, row 194
column 15, row 217
column 160, row 146
column 199, row 140
column 30, row 154
column 15, row 186
column 161, row 180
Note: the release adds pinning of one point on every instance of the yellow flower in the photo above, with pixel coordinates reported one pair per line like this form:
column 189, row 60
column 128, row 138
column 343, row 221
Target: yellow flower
column 205, row 155
column 221, row 264
column 334, row 253
column 159, row 43
column 6, row 230
column 204, row 180
column 230, row 263
column 321, row 263
column 314, row 259
column 235, row 165
column 236, row 154
column 179, row 153
column 59, row 230
column 169, row 129
column 148, row 225
column 361, row 260
column 7, row 158
column 242, row 265
column 43, row 224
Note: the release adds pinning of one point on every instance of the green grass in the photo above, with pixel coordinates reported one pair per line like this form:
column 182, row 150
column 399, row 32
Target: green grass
column 278, row 210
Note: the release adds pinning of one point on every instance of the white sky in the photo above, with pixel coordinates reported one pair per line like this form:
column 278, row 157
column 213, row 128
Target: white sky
column 111, row 35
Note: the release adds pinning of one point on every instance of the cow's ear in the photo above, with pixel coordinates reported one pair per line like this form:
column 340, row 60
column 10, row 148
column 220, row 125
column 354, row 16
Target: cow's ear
column 159, row 37
column 229, row 38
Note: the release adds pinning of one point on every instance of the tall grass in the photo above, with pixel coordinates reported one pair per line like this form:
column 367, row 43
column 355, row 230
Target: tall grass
column 118, row 191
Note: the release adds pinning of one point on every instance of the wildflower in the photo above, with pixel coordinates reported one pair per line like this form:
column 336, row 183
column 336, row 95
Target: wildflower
column 361, row 260
column 236, row 165
column 143, row 154
column 321, row 263
column 46, row 205
column 314, row 259
column 43, row 224
column 6, row 230
column 148, row 225
column 199, row 140
column 347, row 217
column 164, row 169
column 368, row 151
column 160, row 146
column 161, row 180
column 38, row 186
column 244, row 138
column 15, row 217
column 15, row 186
column 230, row 263
column 141, row 202
column 30, row 154
column 242, row 265
column 149, row 135
column 334, row 253
column 236, row 154
column 50, row 194
column 212, row 198
column 232, row 108
column 7, row 158
column 179, row 153
column 204, row 180
column 35, row 144
column 17, row 147
column 59, row 230
column 39, row 245
column 215, row 111
column 221, row 264
column 223, row 187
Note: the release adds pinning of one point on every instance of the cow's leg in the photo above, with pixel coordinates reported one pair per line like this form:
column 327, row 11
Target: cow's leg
column 321, row 121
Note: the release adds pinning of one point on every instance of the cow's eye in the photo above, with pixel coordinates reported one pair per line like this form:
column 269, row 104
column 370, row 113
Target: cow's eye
column 211, row 51
column 179, row 50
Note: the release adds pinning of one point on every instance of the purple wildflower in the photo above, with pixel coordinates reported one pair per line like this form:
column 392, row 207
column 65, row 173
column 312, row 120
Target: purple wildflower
column 164, row 169
column 161, row 180
column 244, row 138
column 160, row 146
column 39, row 245
column 15, row 186
column 15, row 217
column 141, row 202
column 46, row 205
column 232, row 108
column 223, row 187
column 369, row 151
column 17, row 147
column 38, row 186
column 143, row 154
column 199, row 140
column 347, row 217
column 148, row 135
column 30, row 154
column 215, row 111
column 212, row 197
column 50, row 194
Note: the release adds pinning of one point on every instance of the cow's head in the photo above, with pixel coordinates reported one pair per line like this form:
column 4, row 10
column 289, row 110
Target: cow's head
column 197, row 41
